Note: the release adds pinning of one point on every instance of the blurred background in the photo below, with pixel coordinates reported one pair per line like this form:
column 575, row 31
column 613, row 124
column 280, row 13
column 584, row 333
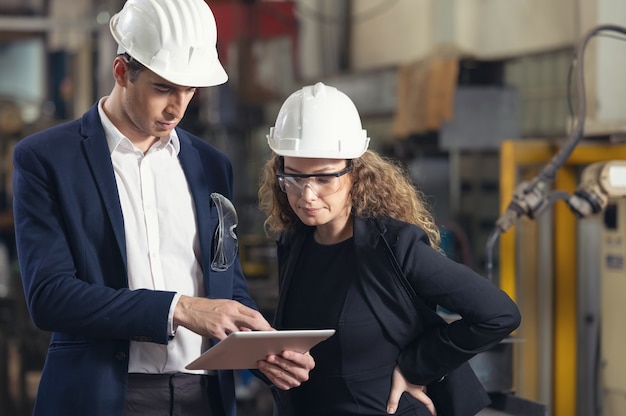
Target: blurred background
column 474, row 97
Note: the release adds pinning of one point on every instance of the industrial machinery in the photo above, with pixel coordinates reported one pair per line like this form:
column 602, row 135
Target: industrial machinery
column 611, row 394
column 601, row 192
column 532, row 197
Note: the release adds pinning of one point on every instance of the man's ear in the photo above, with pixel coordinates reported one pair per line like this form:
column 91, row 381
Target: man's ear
column 120, row 70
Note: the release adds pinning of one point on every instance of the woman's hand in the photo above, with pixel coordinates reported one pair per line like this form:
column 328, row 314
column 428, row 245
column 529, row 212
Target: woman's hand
column 399, row 385
column 287, row 370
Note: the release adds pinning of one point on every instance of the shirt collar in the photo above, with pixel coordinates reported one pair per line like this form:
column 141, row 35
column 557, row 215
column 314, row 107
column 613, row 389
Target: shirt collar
column 115, row 138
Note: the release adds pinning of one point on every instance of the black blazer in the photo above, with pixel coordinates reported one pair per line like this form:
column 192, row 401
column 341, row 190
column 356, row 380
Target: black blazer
column 403, row 280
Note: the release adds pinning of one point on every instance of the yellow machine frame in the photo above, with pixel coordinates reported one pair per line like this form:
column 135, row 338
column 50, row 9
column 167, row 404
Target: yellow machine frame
column 515, row 154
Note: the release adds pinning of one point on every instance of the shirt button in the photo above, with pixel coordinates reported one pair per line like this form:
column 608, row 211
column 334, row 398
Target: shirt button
column 120, row 356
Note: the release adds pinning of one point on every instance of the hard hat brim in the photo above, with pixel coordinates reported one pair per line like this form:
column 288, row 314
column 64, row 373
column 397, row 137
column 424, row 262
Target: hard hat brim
column 351, row 153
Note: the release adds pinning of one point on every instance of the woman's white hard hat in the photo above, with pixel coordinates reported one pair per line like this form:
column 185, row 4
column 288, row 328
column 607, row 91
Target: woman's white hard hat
column 318, row 121
column 176, row 39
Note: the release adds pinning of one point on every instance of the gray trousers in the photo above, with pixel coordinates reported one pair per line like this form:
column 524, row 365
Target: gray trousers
column 175, row 394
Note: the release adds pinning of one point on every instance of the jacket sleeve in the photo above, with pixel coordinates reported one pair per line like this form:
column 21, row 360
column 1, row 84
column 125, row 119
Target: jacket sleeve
column 487, row 314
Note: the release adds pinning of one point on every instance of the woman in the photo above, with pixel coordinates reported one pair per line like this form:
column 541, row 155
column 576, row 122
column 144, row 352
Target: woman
column 358, row 252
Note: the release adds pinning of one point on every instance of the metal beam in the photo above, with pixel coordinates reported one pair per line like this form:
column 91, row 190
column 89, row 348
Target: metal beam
column 44, row 24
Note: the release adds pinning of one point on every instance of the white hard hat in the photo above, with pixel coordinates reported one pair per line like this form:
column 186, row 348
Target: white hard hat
column 318, row 121
column 176, row 39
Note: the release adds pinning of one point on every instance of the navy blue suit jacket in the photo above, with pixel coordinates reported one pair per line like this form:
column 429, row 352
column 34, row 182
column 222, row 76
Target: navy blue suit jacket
column 72, row 256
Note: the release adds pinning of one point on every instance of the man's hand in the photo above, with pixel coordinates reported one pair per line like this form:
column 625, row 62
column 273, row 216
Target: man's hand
column 287, row 370
column 399, row 385
column 217, row 318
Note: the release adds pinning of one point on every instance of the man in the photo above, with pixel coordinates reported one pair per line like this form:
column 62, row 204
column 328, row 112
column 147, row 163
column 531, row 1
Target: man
column 116, row 216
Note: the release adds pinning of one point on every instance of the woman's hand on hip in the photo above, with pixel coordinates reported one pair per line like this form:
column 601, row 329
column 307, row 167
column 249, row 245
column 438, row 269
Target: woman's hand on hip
column 399, row 385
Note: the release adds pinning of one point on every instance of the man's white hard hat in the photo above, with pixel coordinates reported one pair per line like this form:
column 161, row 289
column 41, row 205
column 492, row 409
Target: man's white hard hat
column 176, row 39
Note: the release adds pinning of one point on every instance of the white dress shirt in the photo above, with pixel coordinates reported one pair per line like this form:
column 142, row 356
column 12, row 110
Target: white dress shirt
column 162, row 244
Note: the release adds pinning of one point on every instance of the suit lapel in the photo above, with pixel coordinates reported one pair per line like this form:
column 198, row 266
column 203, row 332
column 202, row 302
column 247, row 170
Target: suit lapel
column 99, row 159
column 199, row 186
column 289, row 247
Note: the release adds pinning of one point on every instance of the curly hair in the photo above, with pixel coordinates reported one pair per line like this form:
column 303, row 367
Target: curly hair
column 381, row 187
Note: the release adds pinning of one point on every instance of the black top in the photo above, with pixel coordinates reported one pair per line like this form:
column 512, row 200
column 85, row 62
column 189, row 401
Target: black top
column 324, row 274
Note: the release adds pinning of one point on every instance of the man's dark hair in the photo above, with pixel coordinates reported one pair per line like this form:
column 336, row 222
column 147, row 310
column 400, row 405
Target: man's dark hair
column 134, row 66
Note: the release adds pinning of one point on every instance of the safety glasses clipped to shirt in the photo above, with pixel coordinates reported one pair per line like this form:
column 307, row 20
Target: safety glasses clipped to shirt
column 225, row 239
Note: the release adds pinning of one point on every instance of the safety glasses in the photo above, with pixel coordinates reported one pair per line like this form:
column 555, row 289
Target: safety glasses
column 225, row 239
column 322, row 184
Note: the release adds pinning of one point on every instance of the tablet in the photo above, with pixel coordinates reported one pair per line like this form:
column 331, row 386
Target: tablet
column 242, row 350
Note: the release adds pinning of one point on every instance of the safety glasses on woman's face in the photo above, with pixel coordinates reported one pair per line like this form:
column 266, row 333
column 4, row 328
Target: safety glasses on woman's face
column 225, row 239
column 322, row 184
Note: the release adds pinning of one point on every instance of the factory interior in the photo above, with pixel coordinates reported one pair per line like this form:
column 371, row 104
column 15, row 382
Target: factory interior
column 521, row 153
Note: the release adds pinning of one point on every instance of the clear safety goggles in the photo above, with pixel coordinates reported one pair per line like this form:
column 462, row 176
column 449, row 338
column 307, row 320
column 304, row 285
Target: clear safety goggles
column 225, row 239
column 322, row 184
